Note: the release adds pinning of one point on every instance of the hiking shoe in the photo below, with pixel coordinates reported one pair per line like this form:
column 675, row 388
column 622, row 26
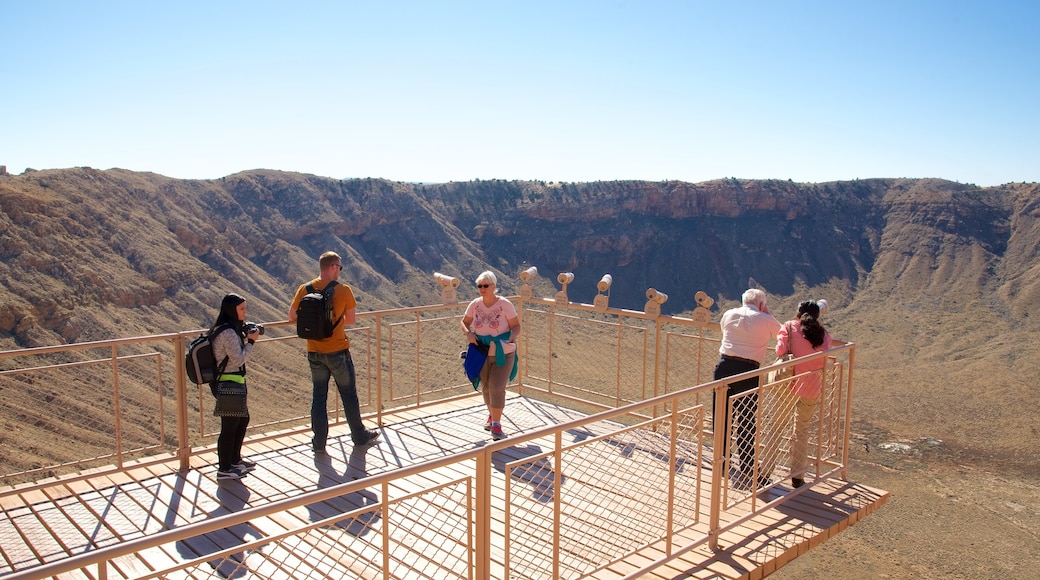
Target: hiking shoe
column 246, row 463
column 487, row 426
column 244, row 466
column 367, row 437
column 232, row 473
column 497, row 434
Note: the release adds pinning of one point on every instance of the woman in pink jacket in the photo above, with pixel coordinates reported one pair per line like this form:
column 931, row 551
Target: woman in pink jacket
column 803, row 336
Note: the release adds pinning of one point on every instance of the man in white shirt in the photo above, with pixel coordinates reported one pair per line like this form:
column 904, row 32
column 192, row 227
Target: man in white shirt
column 746, row 334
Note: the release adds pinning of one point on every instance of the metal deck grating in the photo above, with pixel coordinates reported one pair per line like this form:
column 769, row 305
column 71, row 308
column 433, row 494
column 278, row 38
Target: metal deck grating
column 73, row 517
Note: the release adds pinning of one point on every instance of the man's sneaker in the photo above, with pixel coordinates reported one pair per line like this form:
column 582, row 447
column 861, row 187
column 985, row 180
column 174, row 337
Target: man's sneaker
column 232, row 473
column 245, row 466
column 367, row 438
column 496, row 433
column 487, row 426
column 246, row 463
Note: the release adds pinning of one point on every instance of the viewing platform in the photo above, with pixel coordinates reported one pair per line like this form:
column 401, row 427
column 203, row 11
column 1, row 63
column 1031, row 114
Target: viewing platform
column 611, row 468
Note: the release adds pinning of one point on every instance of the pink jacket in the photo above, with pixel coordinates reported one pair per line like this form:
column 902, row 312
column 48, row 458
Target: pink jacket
column 809, row 385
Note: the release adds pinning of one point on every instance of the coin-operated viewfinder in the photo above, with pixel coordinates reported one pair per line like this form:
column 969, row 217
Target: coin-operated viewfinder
column 526, row 292
column 702, row 314
column 603, row 297
column 654, row 300
column 564, row 279
column 448, row 286
column 822, row 303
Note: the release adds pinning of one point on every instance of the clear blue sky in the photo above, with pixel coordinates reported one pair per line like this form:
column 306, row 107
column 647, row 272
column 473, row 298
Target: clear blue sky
column 551, row 90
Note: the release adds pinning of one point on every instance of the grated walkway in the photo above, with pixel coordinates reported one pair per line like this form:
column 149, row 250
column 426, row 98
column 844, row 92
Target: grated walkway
column 77, row 515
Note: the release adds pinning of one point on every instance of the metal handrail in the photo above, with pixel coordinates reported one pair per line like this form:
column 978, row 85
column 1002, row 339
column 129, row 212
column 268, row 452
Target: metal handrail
column 662, row 405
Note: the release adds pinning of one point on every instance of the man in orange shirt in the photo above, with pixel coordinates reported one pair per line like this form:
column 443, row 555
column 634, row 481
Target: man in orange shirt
column 330, row 358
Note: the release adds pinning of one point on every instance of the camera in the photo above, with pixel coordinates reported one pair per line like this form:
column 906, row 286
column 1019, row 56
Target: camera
column 252, row 326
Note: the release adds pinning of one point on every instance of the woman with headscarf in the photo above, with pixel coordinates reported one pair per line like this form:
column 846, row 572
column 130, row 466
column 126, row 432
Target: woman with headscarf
column 232, row 345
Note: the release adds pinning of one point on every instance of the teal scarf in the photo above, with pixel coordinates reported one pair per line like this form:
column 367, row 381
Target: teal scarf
column 500, row 357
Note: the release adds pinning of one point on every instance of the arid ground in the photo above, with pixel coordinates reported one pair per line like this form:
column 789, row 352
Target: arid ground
column 945, row 519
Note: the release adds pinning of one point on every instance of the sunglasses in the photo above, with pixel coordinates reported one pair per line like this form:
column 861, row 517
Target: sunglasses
column 483, row 285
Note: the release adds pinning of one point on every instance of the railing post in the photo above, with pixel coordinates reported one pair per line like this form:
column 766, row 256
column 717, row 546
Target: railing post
column 657, row 361
column 848, row 414
column 552, row 325
column 117, row 408
column 673, row 436
column 521, row 348
column 719, row 466
column 618, row 351
column 483, row 516
column 418, row 359
column 384, row 513
column 657, row 358
column 557, row 500
column 379, row 367
column 180, row 383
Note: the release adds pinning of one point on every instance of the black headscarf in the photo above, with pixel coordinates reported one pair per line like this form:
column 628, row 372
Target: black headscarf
column 229, row 313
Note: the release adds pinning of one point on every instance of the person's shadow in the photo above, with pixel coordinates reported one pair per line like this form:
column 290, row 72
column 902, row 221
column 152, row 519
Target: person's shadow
column 232, row 497
column 328, row 476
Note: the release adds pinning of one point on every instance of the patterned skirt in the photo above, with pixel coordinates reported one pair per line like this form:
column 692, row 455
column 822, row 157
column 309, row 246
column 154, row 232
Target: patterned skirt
column 231, row 400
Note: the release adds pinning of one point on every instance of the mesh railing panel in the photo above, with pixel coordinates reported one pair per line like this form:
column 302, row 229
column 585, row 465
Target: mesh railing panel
column 429, row 536
column 627, row 471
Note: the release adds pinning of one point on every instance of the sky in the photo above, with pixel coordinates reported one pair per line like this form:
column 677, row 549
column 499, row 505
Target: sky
column 574, row 91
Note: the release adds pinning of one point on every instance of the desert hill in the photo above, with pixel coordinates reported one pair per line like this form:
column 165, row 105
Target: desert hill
column 935, row 280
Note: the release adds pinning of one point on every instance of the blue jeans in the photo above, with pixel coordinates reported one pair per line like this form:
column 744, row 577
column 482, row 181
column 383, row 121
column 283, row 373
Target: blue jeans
column 340, row 366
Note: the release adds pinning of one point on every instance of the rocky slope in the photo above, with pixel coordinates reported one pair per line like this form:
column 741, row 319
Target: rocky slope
column 125, row 240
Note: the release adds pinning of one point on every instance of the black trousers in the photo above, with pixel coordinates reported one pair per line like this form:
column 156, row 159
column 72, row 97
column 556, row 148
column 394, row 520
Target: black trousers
column 744, row 411
column 229, row 443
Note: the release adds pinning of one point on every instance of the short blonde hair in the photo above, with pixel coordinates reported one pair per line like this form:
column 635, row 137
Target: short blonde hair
column 488, row 276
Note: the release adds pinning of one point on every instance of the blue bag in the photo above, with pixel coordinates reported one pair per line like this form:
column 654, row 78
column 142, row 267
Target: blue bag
column 474, row 361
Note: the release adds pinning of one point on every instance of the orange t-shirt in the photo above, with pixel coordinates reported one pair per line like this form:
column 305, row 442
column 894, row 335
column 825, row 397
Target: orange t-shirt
column 342, row 301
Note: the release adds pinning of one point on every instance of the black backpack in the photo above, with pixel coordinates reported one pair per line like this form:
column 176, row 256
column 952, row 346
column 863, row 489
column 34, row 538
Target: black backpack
column 200, row 363
column 314, row 314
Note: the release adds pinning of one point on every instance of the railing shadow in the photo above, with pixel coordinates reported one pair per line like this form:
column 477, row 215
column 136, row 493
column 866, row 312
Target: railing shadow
column 232, row 497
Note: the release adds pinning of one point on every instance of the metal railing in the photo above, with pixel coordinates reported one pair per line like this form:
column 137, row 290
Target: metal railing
column 643, row 380
column 120, row 400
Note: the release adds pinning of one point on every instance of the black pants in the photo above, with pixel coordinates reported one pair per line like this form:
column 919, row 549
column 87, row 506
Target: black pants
column 229, row 443
column 744, row 411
